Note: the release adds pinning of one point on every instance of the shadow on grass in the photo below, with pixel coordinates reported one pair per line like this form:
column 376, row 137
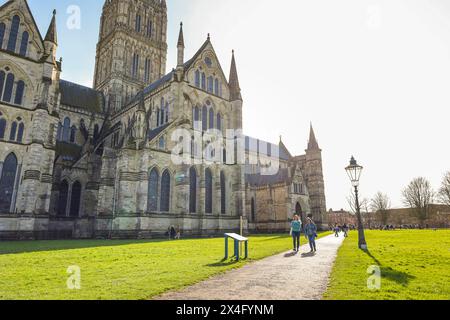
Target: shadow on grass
column 223, row 263
column 400, row 277
column 277, row 238
column 19, row 247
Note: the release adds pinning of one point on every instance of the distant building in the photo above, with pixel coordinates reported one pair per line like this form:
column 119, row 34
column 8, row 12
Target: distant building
column 439, row 217
column 341, row 217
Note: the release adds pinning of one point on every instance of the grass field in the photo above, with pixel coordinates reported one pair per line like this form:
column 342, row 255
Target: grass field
column 415, row 265
column 118, row 269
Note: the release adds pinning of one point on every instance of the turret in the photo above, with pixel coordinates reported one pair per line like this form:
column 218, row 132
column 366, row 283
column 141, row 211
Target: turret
column 180, row 47
column 313, row 145
column 235, row 95
column 315, row 180
column 235, row 89
column 50, row 40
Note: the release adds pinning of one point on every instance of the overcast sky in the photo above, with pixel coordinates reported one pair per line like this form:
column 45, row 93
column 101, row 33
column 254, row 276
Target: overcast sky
column 372, row 76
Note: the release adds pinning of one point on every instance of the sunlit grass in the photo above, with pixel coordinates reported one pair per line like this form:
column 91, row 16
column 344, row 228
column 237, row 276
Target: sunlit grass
column 414, row 265
column 118, row 269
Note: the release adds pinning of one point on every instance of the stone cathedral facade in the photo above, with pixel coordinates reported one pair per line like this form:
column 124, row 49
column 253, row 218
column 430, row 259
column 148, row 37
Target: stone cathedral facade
column 143, row 149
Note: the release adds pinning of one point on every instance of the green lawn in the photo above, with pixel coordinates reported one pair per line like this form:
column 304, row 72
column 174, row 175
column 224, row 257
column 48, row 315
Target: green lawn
column 415, row 265
column 118, row 269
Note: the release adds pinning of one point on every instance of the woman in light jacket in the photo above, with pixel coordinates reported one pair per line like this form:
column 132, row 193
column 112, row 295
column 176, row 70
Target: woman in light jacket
column 296, row 229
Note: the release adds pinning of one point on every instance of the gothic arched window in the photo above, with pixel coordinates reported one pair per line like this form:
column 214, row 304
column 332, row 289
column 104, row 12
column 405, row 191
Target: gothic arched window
column 197, row 79
column 147, row 70
column 165, row 192
column 19, row 92
column 167, row 113
column 2, row 126
column 219, row 122
column 63, row 197
column 162, row 143
column 2, row 82
column 75, row 200
column 158, row 117
column 204, row 118
column 223, row 193
column 73, row 134
column 8, row 87
column 2, row 34
column 59, row 132
column 216, row 87
column 210, row 84
column 203, row 81
column 192, row 190
column 96, row 132
column 208, row 191
column 24, row 44
column 13, row 34
column 66, row 130
column 138, row 23
column 13, row 131
column 153, row 182
column 253, row 210
column 135, row 66
column 7, row 182
column 20, row 132
column 196, row 118
column 211, row 118
column 149, row 28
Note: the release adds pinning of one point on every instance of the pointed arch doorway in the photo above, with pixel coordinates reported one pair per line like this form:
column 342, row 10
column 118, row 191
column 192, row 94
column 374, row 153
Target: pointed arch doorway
column 300, row 213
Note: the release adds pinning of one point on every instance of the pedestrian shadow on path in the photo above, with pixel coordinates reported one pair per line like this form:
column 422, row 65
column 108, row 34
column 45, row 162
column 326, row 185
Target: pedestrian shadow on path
column 308, row 255
column 290, row 254
column 389, row 273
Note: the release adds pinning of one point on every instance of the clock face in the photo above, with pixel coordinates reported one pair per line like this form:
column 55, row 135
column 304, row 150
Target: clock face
column 208, row 62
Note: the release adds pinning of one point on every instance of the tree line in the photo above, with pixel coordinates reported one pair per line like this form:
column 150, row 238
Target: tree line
column 419, row 195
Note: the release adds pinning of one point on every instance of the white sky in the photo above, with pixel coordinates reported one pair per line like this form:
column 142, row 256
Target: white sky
column 373, row 76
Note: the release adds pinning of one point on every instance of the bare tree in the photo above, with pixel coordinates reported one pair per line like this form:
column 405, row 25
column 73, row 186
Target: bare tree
column 419, row 195
column 351, row 199
column 381, row 204
column 364, row 208
column 444, row 191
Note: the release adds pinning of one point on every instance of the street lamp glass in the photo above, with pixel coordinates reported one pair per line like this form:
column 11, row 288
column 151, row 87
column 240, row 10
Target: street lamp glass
column 354, row 172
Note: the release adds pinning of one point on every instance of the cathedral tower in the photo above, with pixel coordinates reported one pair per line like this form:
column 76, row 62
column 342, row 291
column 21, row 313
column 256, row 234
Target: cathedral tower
column 132, row 48
column 315, row 180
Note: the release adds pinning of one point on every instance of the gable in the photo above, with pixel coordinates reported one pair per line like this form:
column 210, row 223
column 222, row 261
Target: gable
column 205, row 62
column 27, row 24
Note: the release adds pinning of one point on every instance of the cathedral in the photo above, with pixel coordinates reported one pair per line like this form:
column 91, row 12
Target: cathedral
column 143, row 149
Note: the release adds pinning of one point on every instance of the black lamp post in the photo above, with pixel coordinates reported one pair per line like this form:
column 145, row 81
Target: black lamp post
column 354, row 173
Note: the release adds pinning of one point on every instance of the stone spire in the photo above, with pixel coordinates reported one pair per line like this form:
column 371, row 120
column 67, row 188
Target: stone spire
column 180, row 46
column 51, row 32
column 312, row 143
column 235, row 89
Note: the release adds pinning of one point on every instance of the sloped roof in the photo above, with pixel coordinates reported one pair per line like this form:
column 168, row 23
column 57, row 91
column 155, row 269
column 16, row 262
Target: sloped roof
column 270, row 151
column 258, row 180
column 68, row 151
column 77, row 96
column 154, row 133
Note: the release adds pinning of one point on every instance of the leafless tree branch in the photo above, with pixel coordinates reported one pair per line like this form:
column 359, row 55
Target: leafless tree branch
column 419, row 195
column 444, row 191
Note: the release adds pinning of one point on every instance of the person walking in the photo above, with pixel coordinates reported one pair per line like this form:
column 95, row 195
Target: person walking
column 311, row 234
column 336, row 231
column 172, row 233
column 296, row 229
column 345, row 230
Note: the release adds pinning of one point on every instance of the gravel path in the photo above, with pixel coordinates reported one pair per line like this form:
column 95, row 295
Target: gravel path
column 286, row 276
